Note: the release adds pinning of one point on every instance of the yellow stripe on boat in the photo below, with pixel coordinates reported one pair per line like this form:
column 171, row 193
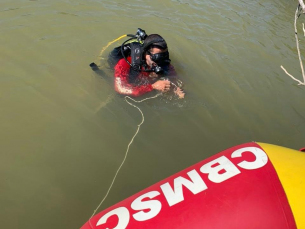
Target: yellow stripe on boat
column 290, row 167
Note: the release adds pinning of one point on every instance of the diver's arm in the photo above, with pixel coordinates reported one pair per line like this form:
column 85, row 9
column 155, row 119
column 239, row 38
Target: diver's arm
column 161, row 85
column 173, row 77
column 121, row 84
column 175, row 82
column 123, row 87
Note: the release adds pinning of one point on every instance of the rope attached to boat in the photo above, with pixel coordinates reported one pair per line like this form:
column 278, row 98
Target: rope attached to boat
column 127, row 150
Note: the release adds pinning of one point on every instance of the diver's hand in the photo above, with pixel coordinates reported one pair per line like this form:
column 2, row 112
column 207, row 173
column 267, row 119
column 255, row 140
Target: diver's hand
column 161, row 85
column 180, row 93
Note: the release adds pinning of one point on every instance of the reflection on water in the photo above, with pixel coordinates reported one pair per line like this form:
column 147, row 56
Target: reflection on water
column 64, row 130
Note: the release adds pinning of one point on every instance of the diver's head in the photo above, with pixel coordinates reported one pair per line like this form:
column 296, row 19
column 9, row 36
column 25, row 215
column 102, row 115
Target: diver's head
column 156, row 56
column 155, row 51
column 155, row 40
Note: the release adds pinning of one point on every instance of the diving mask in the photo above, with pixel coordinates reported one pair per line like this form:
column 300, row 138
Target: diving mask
column 160, row 58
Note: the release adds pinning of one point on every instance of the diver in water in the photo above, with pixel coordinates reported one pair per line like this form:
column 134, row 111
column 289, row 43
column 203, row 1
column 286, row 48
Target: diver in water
column 141, row 67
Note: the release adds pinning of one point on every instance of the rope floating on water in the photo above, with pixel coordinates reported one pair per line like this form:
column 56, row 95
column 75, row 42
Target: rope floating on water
column 298, row 48
column 302, row 5
column 127, row 150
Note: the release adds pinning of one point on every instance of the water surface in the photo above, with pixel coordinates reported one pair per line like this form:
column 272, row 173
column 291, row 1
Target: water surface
column 64, row 131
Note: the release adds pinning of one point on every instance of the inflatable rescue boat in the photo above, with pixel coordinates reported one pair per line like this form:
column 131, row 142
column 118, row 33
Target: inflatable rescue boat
column 250, row 186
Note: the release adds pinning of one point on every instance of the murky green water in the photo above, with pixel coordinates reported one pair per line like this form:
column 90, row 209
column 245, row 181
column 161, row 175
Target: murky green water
column 64, row 131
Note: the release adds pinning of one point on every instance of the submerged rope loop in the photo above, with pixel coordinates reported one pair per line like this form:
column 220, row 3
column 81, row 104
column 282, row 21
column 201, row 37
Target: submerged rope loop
column 126, row 153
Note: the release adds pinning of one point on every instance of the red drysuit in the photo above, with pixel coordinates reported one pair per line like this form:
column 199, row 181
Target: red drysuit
column 143, row 83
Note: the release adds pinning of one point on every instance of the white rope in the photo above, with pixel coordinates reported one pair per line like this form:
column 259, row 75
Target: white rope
column 302, row 5
column 126, row 153
column 298, row 48
column 300, row 83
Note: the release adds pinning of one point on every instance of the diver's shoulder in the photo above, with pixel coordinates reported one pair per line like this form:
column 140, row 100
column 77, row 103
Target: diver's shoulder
column 123, row 63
